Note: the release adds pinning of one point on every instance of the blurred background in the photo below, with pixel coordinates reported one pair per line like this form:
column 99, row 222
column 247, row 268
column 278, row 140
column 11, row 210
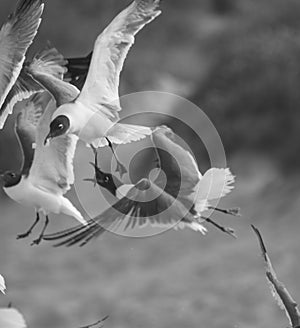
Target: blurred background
column 238, row 60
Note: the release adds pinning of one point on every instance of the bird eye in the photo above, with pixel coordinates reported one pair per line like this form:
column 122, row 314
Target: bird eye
column 12, row 175
column 106, row 179
column 60, row 126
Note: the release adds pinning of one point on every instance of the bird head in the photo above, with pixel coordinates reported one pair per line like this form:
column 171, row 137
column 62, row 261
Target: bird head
column 59, row 126
column 10, row 179
column 105, row 180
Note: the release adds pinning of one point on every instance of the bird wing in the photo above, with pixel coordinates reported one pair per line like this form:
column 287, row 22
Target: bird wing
column 48, row 68
column 16, row 35
column 26, row 127
column 2, row 285
column 279, row 291
column 215, row 184
column 78, row 70
column 52, row 167
column 50, row 61
column 100, row 90
column 144, row 203
column 11, row 318
column 178, row 164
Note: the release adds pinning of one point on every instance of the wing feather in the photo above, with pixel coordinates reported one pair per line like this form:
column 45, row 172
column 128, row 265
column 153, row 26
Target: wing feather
column 16, row 35
column 178, row 164
column 110, row 50
column 145, row 203
column 48, row 68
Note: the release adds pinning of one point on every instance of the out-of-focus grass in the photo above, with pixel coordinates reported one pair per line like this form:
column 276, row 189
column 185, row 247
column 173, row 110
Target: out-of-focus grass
column 177, row 279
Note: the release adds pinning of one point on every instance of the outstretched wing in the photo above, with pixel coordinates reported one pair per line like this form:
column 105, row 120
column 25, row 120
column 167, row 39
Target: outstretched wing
column 26, row 127
column 110, row 50
column 53, row 64
column 16, row 35
column 178, row 164
column 48, row 68
column 279, row 292
column 144, row 203
column 52, row 167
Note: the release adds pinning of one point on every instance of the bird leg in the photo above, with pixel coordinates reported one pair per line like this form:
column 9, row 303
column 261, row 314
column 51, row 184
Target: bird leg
column 38, row 240
column 95, row 162
column 29, row 231
column 120, row 167
column 229, row 211
column 227, row 230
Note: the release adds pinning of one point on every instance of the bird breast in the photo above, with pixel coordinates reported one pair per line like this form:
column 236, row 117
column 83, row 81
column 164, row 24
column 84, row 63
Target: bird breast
column 25, row 193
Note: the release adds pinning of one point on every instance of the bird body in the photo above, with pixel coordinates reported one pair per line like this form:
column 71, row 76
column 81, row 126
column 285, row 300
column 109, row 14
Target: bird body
column 178, row 202
column 47, row 171
column 93, row 114
column 44, row 201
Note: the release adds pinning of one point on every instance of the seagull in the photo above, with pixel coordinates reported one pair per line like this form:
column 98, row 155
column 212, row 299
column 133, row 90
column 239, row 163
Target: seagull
column 179, row 202
column 16, row 35
column 47, row 172
column 93, row 115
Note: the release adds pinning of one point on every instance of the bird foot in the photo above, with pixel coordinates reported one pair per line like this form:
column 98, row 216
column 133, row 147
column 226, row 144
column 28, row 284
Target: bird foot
column 23, row 235
column 37, row 241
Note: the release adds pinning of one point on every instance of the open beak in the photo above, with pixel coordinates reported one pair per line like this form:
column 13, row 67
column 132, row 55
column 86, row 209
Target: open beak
column 94, row 181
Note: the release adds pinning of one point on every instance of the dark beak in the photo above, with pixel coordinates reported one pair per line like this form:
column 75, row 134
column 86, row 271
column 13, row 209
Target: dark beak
column 93, row 180
column 47, row 139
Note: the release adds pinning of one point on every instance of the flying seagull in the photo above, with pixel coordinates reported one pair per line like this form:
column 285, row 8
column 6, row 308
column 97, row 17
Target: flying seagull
column 178, row 203
column 93, row 115
column 47, row 172
column 16, row 35
column 279, row 291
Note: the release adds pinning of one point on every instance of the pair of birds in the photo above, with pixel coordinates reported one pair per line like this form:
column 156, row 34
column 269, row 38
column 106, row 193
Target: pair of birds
column 58, row 113
column 91, row 115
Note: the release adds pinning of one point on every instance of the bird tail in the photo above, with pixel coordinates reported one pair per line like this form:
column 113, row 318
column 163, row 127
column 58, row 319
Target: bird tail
column 69, row 209
column 215, row 184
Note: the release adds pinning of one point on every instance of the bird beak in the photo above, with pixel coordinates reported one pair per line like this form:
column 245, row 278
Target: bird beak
column 47, row 139
column 94, row 181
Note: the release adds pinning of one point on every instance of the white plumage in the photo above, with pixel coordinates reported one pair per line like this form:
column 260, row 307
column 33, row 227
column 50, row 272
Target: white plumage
column 94, row 113
column 16, row 35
